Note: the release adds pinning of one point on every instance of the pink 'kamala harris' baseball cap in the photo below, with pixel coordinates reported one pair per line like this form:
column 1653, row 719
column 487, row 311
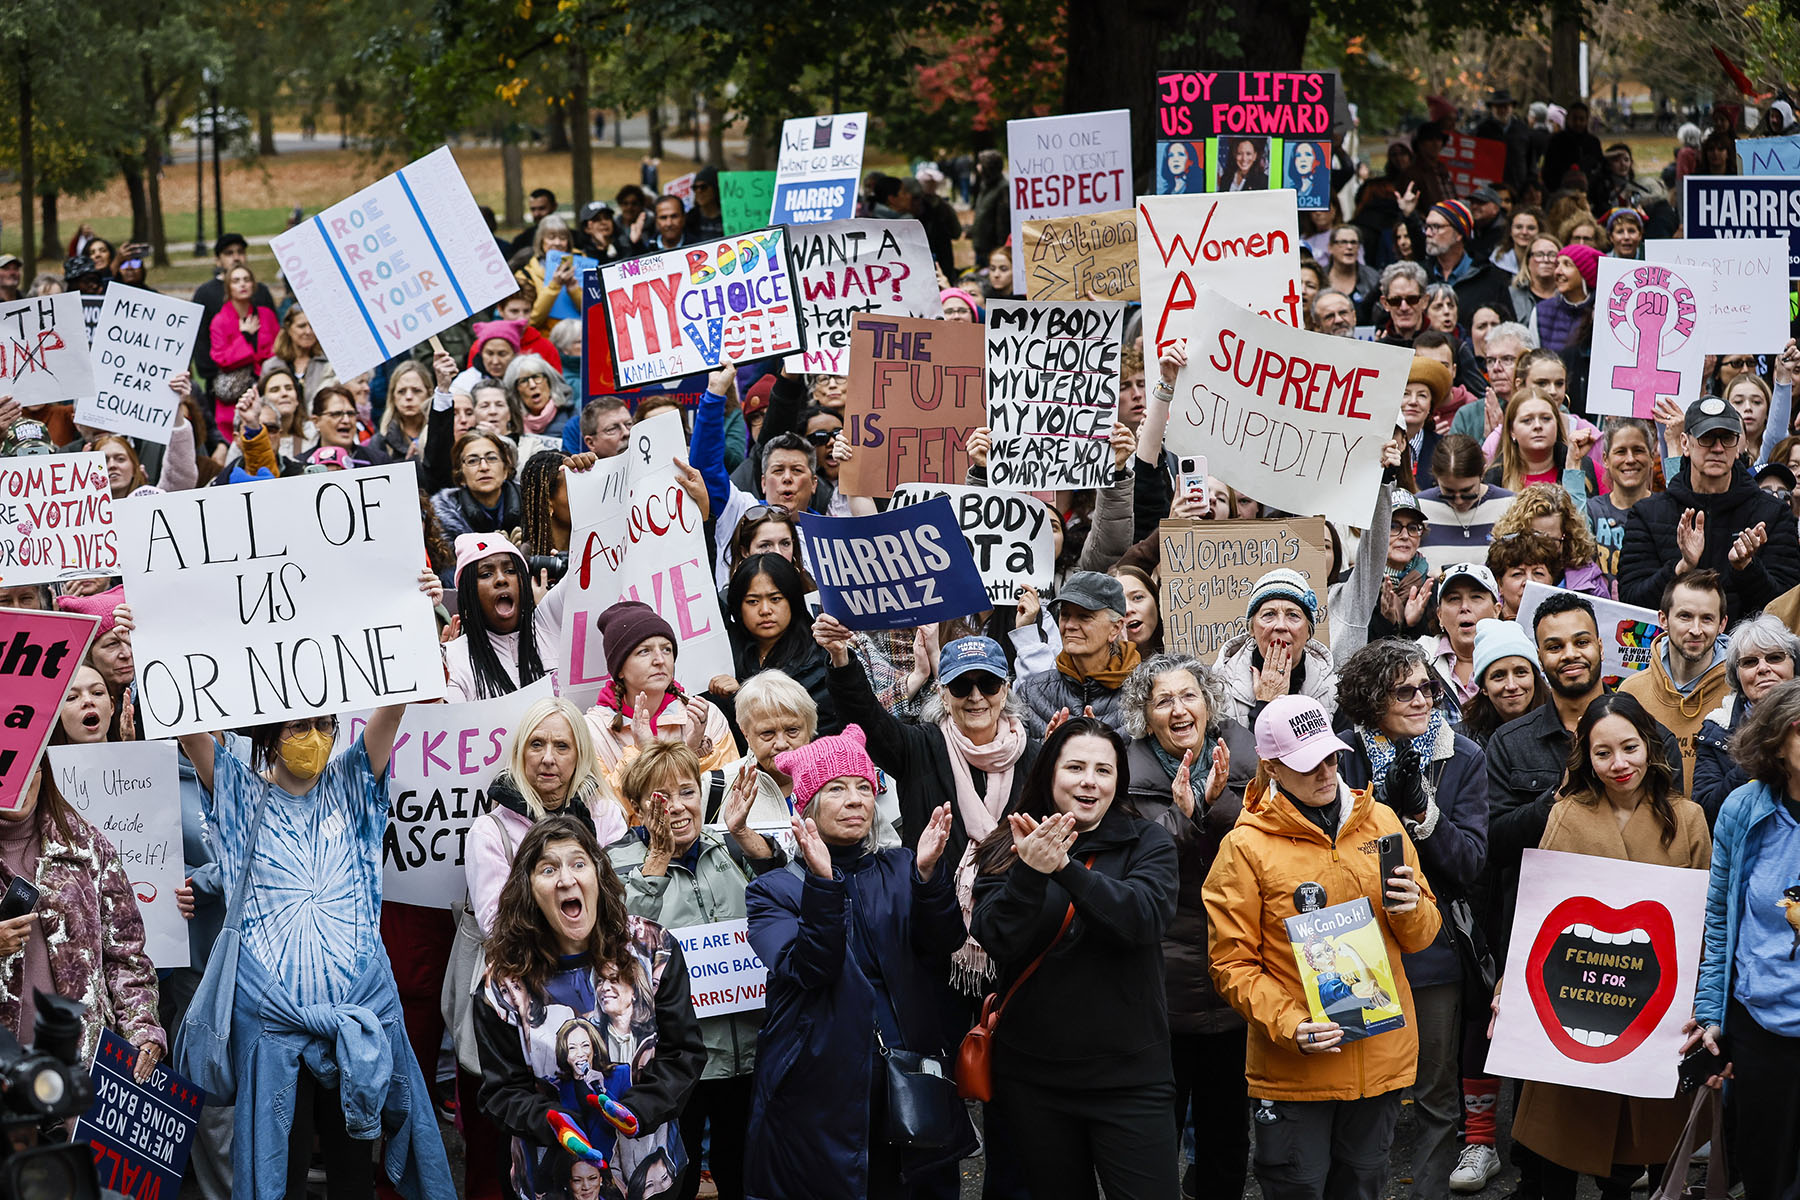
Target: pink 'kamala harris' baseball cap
column 1296, row 731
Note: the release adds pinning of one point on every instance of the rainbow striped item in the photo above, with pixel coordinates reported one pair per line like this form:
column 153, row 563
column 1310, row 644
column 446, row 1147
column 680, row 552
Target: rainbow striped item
column 572, row 1141
column 616, row 1114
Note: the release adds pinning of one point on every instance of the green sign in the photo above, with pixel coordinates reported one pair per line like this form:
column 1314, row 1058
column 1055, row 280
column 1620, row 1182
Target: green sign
column 747, row 198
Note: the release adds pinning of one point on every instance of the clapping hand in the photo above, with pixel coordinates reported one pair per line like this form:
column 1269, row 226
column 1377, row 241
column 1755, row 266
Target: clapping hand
column 568, row 1135
column 1690, row 537
column 1746, row 544
column 812, row 847
column 1220, row 774
column 616, row 1114
column 1043, row 845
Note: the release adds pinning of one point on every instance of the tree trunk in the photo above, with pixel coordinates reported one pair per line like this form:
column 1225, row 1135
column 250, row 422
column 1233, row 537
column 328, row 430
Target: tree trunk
column 556, row 128
column 1121, row 52
column 131, row 168
column 158, row 235
column 53, row 243
column 656, row 129
column 265, row 130
column 758, row 147
column 512, row 172
column 618, row 124
column 581, row 130
column 715, row 130
column 1565, row 51
column 27, row 174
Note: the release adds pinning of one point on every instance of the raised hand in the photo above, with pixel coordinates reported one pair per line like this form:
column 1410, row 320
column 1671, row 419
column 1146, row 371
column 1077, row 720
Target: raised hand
column 722, row 378
column 981, row 440
column 694, row 484
column 1690, row 537
column 1029, row 605
column 1745, row 546
column 1124, row 445
column 1220, row 774
column 444, row 368
column 1173, row 359
column 738, row 801
column 698, row 711
column 933, row 840
column 1271, row 683
column 570, row 1138
column 812, row 847
column 834, row 637
column 1181, row 788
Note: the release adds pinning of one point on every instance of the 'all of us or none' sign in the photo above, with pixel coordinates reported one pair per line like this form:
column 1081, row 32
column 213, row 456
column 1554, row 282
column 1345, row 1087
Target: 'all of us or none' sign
column 142, row 339
column 1052, row 393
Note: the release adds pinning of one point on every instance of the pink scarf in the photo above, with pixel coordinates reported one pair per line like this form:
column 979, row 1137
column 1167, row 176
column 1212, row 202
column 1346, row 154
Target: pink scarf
column 970, row 968
column 537, row 422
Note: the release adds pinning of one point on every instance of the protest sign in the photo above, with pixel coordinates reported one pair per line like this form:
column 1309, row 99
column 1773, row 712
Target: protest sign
column 56, row 519
column 1626, row 631
column 1744, row 309
column 1285, row 415
column 1009, row 534
column 724, row 973
column 39, row 654
column 90, row 315
column 1344, row 969
column 1064, row 165
column 842, row 268
column 404, row 258
column 1240, row 244
column 563, row 308
column 894, row 570
column 916, row 393
column 445, row 756
column 745, row 198
column 818, row 169
column 131, row 792
column 596, row 350
column 141, row 340
column 1072, row 258
column 1052, row 393
column 678, row 312
column 1769, row 155
column 1243, row 164
column 44, row 354
column 638, row 536
column 1203, row 104
column 1721, row 206
column 281, row 598
column 1472, row 162
column 682, row 188
column 1600, row 973
column 141, row 1133
column 1208, row 568
column 1647, row 342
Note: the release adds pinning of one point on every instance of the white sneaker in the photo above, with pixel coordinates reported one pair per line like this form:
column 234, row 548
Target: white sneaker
column 1477, row 1166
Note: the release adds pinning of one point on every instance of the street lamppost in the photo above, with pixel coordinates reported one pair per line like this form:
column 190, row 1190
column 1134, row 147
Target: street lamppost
column 212, row 82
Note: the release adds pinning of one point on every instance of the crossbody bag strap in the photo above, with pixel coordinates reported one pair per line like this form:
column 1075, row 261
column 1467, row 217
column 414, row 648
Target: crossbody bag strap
column 234, row 915
column 1068, row 919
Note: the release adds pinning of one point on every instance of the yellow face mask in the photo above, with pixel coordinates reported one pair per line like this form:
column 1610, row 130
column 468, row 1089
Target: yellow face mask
column 306, row 755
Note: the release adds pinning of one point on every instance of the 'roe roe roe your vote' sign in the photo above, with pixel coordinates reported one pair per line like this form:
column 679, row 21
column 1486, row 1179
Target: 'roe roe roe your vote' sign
column 1292, row 418
column 406, row 257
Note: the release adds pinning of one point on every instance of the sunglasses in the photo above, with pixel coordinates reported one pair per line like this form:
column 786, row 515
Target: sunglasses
column 962, row 685
column 1404, row 301
column 822, row 437
column 761, row 511
column 1406, row 693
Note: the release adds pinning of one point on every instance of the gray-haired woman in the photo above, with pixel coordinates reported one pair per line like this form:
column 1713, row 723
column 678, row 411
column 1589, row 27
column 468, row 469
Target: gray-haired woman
column 1189, row 765
column 542, row 393
column 1761, row 653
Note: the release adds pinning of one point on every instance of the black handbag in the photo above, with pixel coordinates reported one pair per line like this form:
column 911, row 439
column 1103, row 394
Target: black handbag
column 1478, row 965
column 923, row 1110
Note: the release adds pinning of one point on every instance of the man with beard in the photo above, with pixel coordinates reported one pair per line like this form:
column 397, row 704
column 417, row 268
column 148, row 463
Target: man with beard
column 1449, row 226
column 1686, row 677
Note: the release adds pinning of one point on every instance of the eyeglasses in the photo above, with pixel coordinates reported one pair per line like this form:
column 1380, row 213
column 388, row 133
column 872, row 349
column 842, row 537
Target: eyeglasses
column 822, row 437
column 1497, row 360
column 1436, row 226
column 1545, row 256
column 1404, row 301
column 339, row 414
column 1349, row 241
column 294, row 729
column 962, row 685
column 1739, row 364
column 1409, row 529
column 1406, row 693
column 482, row 460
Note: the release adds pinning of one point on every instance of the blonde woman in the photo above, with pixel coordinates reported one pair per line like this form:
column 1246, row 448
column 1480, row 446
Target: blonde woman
column 297, row 348
column 1547, row 509
column 552, row 234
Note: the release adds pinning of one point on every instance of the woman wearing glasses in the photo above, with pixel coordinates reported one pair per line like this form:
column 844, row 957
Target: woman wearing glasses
column 1403, row 746
column 1536, row 279
column 1346, row 271
column 484, row 498
column 312, row 970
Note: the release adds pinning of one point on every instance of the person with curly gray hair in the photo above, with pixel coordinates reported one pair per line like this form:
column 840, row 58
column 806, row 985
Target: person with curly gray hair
column 1435, row 779
column 1760, row 654
column 1189, row 764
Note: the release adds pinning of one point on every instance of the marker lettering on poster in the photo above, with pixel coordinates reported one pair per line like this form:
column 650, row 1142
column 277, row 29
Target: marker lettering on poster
column 1052, row 393
column 916, row 394
column 56, row 519
column 843, row 268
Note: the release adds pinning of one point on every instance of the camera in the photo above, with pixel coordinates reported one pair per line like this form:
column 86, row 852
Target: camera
column 555, row 565
column 40, row 1083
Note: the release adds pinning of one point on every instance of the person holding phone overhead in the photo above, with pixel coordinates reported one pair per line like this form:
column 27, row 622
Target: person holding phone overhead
column 1307, row 841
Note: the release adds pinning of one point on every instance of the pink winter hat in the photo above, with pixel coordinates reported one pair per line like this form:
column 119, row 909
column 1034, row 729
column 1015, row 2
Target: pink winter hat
column 100, row 605
column 822, row 760
column 473, row 547
column 510, row 332
column 1586, row 260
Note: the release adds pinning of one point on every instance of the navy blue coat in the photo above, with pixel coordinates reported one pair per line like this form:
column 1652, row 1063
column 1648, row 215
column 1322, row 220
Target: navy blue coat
column 1716, row 773
column 809, row 1118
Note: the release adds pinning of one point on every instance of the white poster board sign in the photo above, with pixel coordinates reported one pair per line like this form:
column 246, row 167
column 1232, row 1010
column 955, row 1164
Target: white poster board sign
column 1649, row 328
column 44, row 350
column 280, row 598
column 1052, row 392
column 1626, row 631
column 131, row 793
column 724, row 973
column 56, row 519
column 1009, row 533
column 842, row 268
column 1064, row 165
column 818, row 168
column 1744, row 309
column 141, row 340
column 1243, row 245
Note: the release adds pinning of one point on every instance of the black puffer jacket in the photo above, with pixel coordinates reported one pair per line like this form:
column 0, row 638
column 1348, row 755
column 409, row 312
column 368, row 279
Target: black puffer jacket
column 1195, row 1006
column 1650, row 555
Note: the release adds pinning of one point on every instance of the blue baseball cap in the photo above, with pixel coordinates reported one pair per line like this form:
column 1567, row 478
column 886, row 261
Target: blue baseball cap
column 971, row 654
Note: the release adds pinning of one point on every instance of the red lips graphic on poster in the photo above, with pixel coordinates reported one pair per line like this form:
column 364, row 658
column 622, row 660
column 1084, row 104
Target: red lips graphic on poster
column 1602, row 978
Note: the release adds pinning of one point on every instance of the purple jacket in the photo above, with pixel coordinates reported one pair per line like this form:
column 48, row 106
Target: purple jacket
column 1557, row 319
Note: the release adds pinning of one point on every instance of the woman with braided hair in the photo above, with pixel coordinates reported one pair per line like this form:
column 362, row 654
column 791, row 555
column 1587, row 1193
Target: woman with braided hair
column 544, row 523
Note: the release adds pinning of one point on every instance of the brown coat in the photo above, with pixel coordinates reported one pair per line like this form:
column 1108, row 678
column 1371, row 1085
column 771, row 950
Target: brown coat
column 1585, row 1130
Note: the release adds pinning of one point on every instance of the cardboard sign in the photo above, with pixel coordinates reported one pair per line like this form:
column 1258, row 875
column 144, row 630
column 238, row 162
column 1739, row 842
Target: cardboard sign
column 1344, row 969
column 445, row 756
column 131, row 792
column 142, row 339
column 637, row 536
column 39, row 654
column 745, row 198
column 1206, row 104
column 724, row 973
column 1648, row 329
column 1600, row 973
column 1472, row 162
column 280, row 598
column 818, row 169
column 1009, row 534
column 1626, row 631
column 1243, row 245
column 842, row 268
column 141, row 1133
column 44, row 350
column 1769, row 155
column 1073, row 258
column 1064, row 165
column 1209, row 567
column 56, row 519
column 1294, row 418
column 1744, row 308
column 406, row 257
column 678, row 312
column 1726, row 206
column 894, row 570
column 1052, row 393
column 916, row 394
column 563, row 309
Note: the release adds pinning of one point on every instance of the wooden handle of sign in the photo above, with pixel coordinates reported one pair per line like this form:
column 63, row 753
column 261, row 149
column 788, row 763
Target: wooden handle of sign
column 437, row 347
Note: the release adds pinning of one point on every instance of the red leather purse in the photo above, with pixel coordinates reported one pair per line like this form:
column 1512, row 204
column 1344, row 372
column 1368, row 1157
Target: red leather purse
column 975, row 1057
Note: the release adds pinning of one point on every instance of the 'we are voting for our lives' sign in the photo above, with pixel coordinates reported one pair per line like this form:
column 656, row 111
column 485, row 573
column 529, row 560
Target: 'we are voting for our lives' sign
column 406, row 257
